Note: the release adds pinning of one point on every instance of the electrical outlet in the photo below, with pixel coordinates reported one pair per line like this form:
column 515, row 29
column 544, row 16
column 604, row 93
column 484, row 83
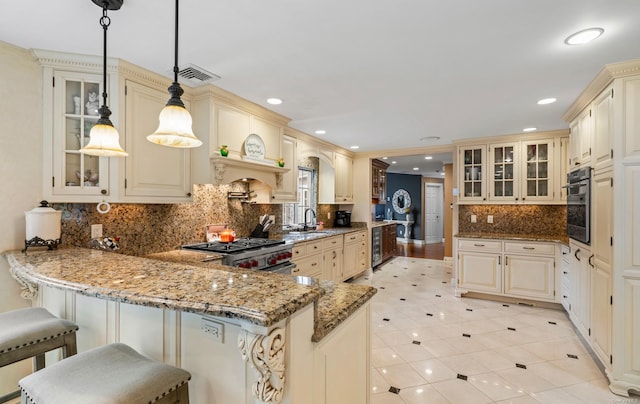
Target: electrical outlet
column 474, row 218
column 213, row 329
column 328, row 215
column 96, row 230
column 489, row 218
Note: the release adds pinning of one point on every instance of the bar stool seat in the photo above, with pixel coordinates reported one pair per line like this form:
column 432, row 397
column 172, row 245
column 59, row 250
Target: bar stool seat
column 30, row 333
column 111, row 374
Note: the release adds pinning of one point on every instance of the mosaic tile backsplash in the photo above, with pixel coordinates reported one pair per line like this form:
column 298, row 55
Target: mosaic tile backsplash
column 146, row 229
column 548, row 220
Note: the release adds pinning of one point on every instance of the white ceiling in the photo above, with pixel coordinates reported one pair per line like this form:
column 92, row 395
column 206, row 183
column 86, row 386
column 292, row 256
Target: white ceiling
column 380, row 74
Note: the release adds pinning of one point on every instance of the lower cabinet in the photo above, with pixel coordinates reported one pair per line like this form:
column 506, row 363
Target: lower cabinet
column 580, row 280
column 332, row 264
column 508, row 268
column 389, row 235
column 308, row 259
column 355, row 251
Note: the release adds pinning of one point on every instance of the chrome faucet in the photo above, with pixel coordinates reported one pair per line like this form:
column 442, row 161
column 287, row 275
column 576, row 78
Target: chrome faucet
column 305, row 228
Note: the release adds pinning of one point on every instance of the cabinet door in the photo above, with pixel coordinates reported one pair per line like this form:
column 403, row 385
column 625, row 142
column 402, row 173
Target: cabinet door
column 529, row 276
column 503, row 172
column 563, row 169
column 332, row 265
column 343, row 179
column 75, row 177
column 603, row 130
column 580, row 288
column 584, row 142
column 537, row 176
column 154, row 173
column 232, row 128
column 479, row 272
column 351, row 258
column 472, row 173
column 287, row 190
column 309, row 265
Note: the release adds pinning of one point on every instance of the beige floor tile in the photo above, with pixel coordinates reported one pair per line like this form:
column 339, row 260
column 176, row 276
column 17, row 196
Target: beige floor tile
column 460, row 391
column 385, row 357
column 433, row 370
column 386, row 398
column 495, row 387
column 413, row 352
column 401, row 376
column 464, row 364
column 526, row 380
column 597, row 391
column 425, row 394
column 378, row 383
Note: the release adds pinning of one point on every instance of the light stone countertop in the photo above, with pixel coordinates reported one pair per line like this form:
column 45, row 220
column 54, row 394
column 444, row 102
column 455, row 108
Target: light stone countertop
column 338, row 302
column 181, row 280
column 517, row 237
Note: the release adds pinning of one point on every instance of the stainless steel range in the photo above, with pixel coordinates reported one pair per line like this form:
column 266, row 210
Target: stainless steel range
column 251, row 253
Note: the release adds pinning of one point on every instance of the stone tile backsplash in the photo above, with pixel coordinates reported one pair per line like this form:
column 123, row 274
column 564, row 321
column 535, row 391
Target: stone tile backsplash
column 514, row 219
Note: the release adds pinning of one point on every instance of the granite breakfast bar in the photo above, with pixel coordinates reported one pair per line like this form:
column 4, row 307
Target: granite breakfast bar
column 245, row 336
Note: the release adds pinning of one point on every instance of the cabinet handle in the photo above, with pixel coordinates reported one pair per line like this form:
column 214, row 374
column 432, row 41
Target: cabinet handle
column 478, row 245
column 575, row 254
column 334, row 255
column 529, row 248
column 506, row 261
column 297, row 252
column 189, row 194
column 565, row 272
column 590, row 264
column 564, row 253
column 296, row 270
column 103, row 191
column 499, row 260
column 313, row 264
column 565, row 296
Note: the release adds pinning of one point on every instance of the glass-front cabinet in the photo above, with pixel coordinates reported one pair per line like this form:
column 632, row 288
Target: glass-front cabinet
column 503, row 176
column 537, row 182
column 76, row 99
column 472, row 173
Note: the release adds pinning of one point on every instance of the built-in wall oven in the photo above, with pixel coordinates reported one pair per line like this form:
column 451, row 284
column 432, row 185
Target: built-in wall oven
column 579, row 205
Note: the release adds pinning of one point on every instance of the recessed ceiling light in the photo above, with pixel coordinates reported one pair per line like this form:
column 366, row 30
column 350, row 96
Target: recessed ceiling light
column 529, row 129
column 320, row 132
column 584, row 36
column 428, row 157
column 415, row 168
column 393, row 162
column 430, row 138
column 355, row 147
column 384, row 158
column 274, row 101
column 546, row 101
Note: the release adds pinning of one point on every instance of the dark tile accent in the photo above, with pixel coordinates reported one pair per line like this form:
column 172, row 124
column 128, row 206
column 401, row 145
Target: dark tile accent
column 395, row 276
column 403, row 299
column 366, row 279
column 429, row 314
column 422, row 274
column 429, row 266
column 444, row 281
column 572, row 356
column 448, row 273
column 381, row 287
column 413, row 284
column 417, row 342
column 385, row 319
column 469, row 309
column 521, row 366
column 466, row 335
column 505, row 305
column 552, row 322
column 394, row 390
column 405, row 268
column 511, row 329
column 462, row 377
column 438, row 296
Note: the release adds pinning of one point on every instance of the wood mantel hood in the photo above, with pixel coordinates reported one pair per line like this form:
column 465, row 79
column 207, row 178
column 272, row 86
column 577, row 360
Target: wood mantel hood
column 225, row 170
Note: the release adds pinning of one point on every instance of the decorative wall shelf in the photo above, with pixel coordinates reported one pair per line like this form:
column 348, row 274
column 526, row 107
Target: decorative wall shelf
column 226, row 170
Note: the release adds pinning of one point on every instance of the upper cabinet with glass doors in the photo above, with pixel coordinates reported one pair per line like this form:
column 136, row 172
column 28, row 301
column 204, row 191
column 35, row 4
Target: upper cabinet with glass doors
column 518, row 171
column 76, row 98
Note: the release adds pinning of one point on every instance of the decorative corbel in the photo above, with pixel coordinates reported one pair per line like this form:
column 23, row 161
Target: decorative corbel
column 265, row 353
column 219, row 173
column 29, row 290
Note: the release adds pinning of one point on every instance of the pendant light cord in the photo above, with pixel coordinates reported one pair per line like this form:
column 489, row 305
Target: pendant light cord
column 105, row 21
column 175, row 63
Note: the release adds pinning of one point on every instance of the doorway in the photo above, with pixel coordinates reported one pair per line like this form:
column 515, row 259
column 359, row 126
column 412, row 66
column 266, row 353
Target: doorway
column 433, row 213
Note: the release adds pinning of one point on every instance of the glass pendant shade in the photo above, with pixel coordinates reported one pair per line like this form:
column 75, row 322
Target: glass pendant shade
column 104, row 141
column 174, row 129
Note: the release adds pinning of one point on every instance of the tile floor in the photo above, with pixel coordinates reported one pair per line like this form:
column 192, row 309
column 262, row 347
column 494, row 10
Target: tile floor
column 430, row 347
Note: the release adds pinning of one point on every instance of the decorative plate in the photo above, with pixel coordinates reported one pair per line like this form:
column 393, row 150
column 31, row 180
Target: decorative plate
column 254, row 147
column 401, row 201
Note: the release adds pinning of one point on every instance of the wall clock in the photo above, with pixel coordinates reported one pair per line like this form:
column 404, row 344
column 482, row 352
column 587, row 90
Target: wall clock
column 401, row 201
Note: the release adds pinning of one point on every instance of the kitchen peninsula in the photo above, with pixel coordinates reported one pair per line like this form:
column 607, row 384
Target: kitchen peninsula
column 245, row 336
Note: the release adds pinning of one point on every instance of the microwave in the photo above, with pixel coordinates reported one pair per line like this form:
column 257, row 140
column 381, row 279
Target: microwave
column 579, row 205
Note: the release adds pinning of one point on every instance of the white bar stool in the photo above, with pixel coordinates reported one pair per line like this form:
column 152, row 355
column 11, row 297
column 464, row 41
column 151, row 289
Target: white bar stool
column 111, row 374
column 30, row 333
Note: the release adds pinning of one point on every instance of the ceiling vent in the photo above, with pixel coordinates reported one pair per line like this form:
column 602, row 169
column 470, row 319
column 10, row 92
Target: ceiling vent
column 195, row 76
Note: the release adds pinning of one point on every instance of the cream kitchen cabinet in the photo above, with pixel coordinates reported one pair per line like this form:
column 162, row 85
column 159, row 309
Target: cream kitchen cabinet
column 343, row 178
column 355, row 250
column 472, row 163
column 332, row 257
column 308, row 259
column 565, row 278
column 580, row 139
column 602, row 138
column 72, row 90
column 581, row 262
column 152, row 172
column 507, row 268
column 286, row 189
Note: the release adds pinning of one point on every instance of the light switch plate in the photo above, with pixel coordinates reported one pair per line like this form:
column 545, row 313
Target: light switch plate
column 474, row 218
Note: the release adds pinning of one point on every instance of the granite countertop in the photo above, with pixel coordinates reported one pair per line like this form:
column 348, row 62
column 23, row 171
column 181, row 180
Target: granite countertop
column 338, row 302
column 518, row 237
column 299, row 237
column 217, row 290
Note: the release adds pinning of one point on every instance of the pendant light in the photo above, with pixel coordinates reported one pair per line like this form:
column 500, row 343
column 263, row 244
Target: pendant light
column 104, row 140
column 174, row 129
